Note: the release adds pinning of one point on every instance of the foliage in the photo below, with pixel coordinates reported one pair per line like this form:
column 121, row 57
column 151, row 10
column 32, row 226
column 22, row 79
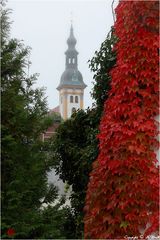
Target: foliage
column 55, row 117
column 54, row 223
column 100, row 65
column 24, row 163
column 122, row 195
column 50, row 119
column 73, row 150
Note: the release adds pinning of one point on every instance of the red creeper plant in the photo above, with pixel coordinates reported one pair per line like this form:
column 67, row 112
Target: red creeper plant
column 122, row 196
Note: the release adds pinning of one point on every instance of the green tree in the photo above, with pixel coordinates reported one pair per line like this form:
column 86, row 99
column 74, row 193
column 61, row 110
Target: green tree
column 24, row 162
column 100, row 65
column 74, row 149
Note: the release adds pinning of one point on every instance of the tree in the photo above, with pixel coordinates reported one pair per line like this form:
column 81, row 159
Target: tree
column 101, row 64
column 74, row 150
column 122, row 196
column 24, row 161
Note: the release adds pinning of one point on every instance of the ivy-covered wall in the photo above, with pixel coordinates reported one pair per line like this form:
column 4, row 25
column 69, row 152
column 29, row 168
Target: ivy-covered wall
column 122, row 195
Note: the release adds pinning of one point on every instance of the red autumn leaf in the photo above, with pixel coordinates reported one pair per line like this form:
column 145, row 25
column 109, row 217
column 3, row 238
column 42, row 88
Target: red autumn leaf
column 113, row 164
column 11, row 232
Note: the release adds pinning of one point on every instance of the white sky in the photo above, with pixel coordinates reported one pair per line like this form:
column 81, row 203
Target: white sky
column 44, row 26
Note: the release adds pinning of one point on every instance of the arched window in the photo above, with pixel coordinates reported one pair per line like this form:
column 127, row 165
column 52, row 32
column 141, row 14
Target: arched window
column 73, row 110
column 76, row 99
column 71, row 99
column 73, row 60
column 69, row 60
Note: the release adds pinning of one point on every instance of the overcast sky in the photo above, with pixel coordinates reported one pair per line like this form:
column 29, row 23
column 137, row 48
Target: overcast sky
column 45, row 25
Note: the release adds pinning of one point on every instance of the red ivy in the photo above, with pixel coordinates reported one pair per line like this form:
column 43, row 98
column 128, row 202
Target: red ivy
column 122, row 196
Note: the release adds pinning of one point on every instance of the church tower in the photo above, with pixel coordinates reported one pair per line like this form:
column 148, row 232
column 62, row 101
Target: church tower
column 71, row 87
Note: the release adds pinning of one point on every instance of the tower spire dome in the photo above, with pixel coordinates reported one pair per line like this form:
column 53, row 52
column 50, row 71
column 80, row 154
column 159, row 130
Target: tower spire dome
column 71, row 87
column 71, row 29
column 71, row 41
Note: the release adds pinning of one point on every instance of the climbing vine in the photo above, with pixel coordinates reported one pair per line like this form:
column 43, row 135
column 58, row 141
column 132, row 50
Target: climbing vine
column 122, row 196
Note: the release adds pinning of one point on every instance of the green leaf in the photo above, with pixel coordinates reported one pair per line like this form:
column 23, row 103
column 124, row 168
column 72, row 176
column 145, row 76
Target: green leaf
column 124, row 224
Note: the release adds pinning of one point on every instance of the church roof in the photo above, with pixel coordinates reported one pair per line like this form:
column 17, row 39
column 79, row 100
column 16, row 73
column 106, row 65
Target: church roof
column 71, row 41
column 71, row 76
column 55, row 110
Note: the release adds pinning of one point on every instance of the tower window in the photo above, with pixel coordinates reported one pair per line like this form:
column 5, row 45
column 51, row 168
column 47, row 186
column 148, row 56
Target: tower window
column 73, row 110
column 73, row 60
column 71, row 99
column 69, row 60
column 76, row 99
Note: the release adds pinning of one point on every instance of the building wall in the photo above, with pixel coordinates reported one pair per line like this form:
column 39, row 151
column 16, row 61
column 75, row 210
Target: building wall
column 64, row 101
column 61, row 104
column 49, row 132
column 72, row 105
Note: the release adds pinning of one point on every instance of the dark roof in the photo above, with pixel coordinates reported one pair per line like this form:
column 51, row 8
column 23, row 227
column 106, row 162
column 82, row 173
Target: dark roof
column 72, row 77
column 71, row 41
